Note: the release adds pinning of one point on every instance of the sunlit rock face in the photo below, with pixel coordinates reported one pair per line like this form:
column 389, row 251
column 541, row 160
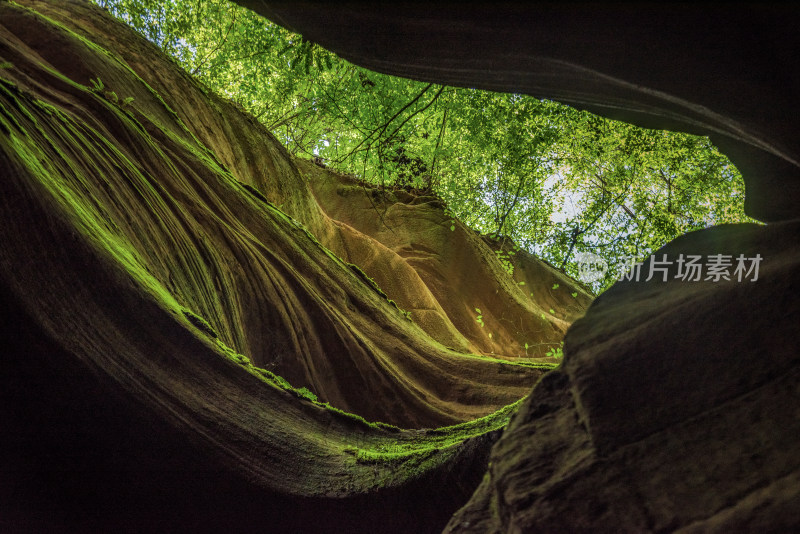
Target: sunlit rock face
column 676, row 408
column 441, row 272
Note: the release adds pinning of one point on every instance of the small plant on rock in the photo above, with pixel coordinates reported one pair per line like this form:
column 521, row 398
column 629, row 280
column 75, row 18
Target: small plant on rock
column 479, row 318
column 556, row 352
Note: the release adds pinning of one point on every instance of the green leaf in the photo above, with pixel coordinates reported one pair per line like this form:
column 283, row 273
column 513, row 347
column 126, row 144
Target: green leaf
column 285, row 49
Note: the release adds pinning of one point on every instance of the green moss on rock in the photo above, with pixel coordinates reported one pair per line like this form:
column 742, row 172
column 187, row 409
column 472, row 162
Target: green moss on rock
column 200, row 323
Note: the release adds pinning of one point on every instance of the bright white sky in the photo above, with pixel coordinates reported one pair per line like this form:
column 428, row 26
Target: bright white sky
column 571, row 201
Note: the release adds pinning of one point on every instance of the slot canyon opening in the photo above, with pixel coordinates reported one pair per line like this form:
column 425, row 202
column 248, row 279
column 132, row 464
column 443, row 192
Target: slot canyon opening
column 171, row 257
column 542, row 184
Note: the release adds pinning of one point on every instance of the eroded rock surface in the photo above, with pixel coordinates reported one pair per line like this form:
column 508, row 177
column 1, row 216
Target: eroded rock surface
column 138, row 273
column 161, row 280
column 677, row 407
column 443, row 272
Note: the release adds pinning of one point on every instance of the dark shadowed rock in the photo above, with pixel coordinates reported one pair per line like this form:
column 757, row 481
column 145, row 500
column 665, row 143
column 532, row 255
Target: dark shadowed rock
column 677, row 406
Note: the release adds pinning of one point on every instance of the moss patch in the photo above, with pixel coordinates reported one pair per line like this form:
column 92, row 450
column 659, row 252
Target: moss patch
column 200, row 323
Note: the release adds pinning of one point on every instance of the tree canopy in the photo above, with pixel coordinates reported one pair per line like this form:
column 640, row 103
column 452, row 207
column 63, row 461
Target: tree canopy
column 528, row 172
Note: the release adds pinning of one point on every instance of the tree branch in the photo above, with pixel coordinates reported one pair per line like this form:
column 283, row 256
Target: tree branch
column 216, row 48
column 385, row 125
